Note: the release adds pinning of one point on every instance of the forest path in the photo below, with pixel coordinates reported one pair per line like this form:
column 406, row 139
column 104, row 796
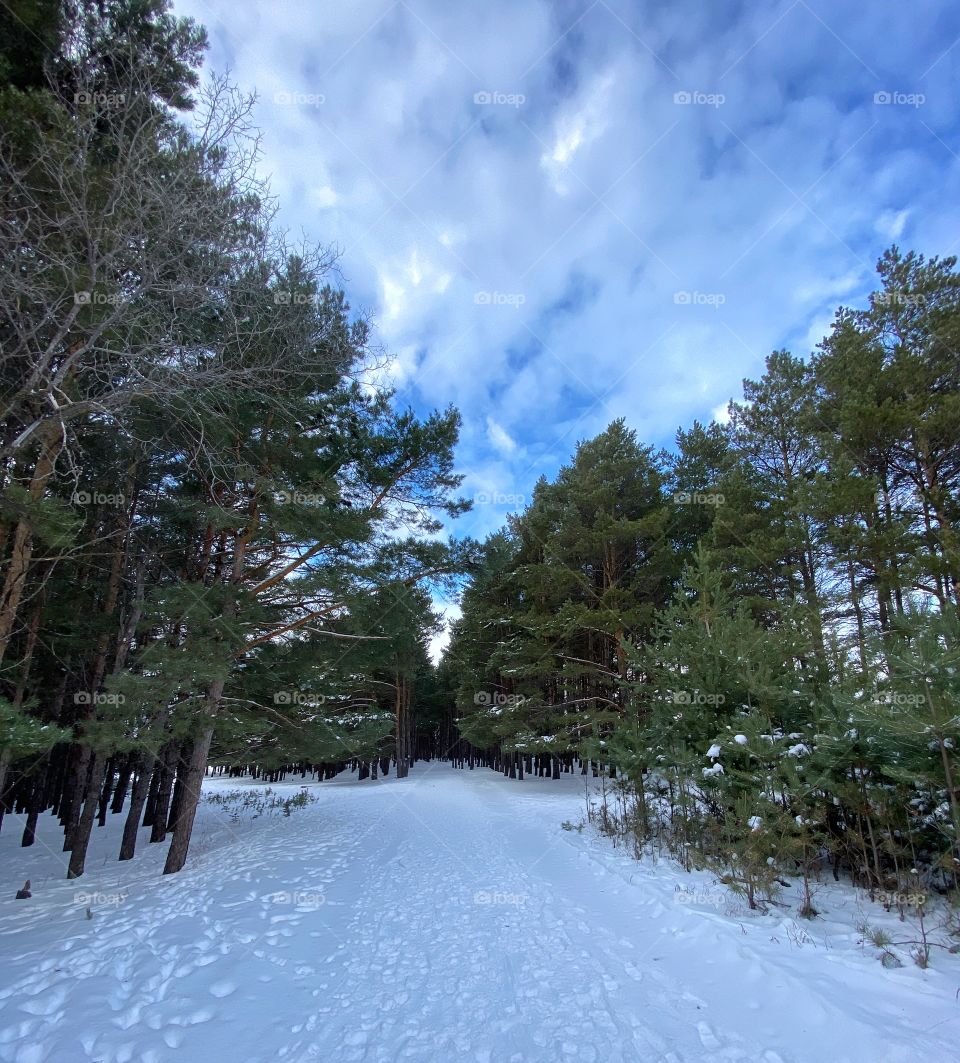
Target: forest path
column 444, row 917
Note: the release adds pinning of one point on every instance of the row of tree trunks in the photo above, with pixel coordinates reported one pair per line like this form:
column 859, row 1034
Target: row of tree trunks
column 138, row 798
column 83, row 784
column 515, row 765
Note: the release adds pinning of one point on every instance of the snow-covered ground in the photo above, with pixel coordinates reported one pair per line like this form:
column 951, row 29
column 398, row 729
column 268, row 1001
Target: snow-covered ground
column 445, row 917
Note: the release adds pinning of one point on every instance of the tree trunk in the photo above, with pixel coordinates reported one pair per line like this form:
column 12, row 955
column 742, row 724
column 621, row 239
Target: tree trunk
column 123, row 784
column 5, row 759
column 160, row 813
column 176, row 783
column 30, row 828
column 105, row 793
column 138, row 797
column 21, row 549
column 192, row 781
column 81, row 836
column 75, row 786
column 197, row 767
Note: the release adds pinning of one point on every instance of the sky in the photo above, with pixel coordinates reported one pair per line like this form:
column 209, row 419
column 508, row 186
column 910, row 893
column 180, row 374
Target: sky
column 558, row 214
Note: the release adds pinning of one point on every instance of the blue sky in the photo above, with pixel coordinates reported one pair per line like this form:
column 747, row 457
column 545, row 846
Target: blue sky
column 557, row 214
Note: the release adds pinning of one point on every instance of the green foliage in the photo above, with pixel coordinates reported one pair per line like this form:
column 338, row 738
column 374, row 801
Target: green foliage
column 550, row 616
column 22, row 734
column 790, row 701
column 219, row 523
column 242, row 805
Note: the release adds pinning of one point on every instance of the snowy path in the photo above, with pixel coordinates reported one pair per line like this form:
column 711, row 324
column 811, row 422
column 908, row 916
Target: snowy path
column 446, row 917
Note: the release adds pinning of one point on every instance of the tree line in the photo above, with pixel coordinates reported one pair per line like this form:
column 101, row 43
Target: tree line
column 216, row 531
column 755, row 633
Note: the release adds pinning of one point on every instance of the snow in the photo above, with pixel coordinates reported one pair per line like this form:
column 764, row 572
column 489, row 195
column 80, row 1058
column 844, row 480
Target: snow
column 445, row 917
column 713, row 751
column 741, row 740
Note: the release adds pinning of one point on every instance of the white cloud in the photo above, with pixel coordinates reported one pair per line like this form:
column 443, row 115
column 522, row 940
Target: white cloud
column 576, row 127
column 821, row 289
column 891, row 223
column 592, row 204
column 323, row 197
column 500, row 438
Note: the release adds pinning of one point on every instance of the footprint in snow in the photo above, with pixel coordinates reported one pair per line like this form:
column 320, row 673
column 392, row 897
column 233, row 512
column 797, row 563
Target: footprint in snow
column 707, row 1038
column 47, row 1004
column 173, row 1038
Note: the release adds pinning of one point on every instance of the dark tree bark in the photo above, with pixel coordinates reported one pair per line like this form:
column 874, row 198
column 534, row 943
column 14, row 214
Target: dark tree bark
column 150, row 811
column 123, row 784
column 81, row 837
column 75, row 789
column 138, row 797
column 105, row 793
column 192, row 781
column 30, row 828
column 184, row 755
column 165, row 774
